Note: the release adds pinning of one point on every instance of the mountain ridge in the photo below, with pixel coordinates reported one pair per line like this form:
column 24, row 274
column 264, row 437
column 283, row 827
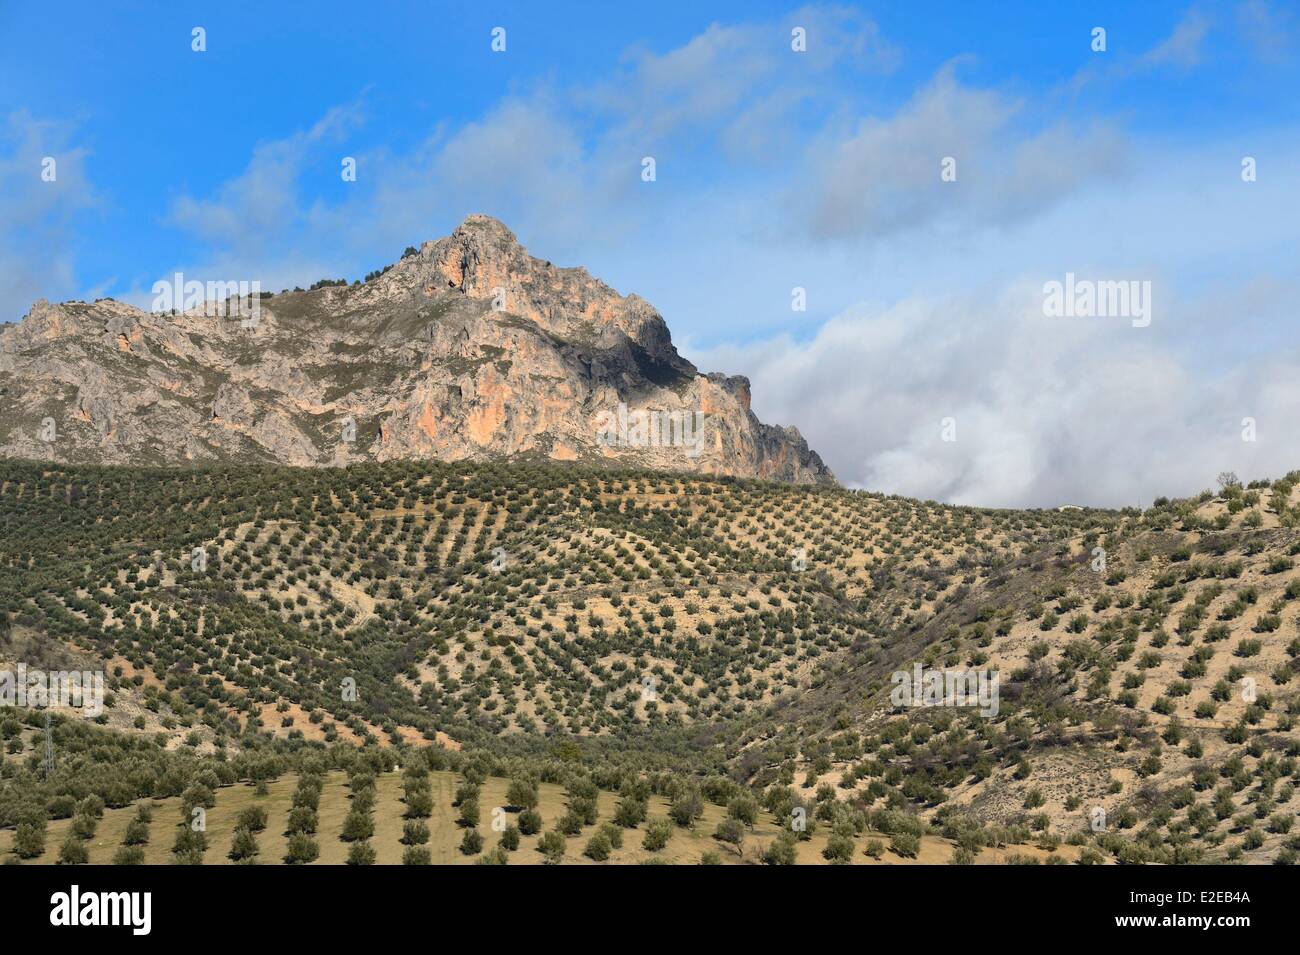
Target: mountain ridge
column 468, row 348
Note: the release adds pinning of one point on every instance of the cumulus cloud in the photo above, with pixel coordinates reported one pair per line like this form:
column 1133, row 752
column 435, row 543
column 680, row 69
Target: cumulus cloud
column 730, row 117
column 1269, row 29
column 36, row 215
column 254, row 223
column 1046, row 411
column 884, row 176
column 726, row 72
column 523, row 162
column 563, row 161
column 1182, row 48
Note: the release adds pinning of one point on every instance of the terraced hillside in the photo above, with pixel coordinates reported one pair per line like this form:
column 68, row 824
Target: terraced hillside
column 727, row 646
column 147, row 832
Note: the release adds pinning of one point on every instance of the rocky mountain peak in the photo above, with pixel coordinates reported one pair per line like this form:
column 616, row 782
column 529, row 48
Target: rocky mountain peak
column 467, row 348
column 483, row 260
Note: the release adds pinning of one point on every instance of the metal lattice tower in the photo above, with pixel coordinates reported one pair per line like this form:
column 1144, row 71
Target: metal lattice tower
column 49, row 747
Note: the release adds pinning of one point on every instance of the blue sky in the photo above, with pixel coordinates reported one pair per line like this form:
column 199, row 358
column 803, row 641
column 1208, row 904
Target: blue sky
column 775, row 169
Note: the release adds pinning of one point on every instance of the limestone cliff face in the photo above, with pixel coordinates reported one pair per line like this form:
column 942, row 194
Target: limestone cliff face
column 468, row 349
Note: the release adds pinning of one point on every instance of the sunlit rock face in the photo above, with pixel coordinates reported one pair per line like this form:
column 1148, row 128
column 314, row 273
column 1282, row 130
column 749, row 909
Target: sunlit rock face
column 468, row 348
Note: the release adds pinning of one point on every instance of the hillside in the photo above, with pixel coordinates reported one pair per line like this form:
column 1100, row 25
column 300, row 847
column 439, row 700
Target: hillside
column 467, row 348
column 663, row 635
column 120, row 829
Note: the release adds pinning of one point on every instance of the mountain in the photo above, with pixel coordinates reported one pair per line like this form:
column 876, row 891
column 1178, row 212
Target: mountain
column 466, row 349
column 505, row 601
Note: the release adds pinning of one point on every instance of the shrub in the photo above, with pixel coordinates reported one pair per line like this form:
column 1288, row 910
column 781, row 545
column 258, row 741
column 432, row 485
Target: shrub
column 128, row 855
column 598, row 847
column 630, row 811
column 839, row 848
column 732, row 832
column 471, row 843
column 358, row 825
column 781, row 850
column 361, row 853
column 657, row 833
column 510, row 838
column 686, row 808
column 745, row 809
column 522, row 793
column 469, row 812
column 415, row 832
column 29, row 840
column 419, row 804
column 302, row 820
column 302, row 849
column 83, row 826
column 243, row 846
column 253, row 819
column 73, row 852
column 614, row 834
column 905, row 844
column 552, row 845
column 189, row 847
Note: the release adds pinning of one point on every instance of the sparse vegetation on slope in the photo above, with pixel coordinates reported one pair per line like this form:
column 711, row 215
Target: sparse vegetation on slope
column 658, row 642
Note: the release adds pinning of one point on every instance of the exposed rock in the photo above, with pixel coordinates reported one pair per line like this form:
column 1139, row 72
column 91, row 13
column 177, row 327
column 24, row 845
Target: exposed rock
column 232, row 406
column 468, row 349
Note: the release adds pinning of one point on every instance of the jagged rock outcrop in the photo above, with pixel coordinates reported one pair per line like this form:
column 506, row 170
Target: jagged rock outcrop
column 469, row 348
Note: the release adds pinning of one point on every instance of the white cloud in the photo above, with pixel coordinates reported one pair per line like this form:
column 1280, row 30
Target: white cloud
column 1182, row 48
column 36, row 216
column 883, row 177
column 1270, row 30
column 253, row 218
column 1048, row 411
column 560, row 162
